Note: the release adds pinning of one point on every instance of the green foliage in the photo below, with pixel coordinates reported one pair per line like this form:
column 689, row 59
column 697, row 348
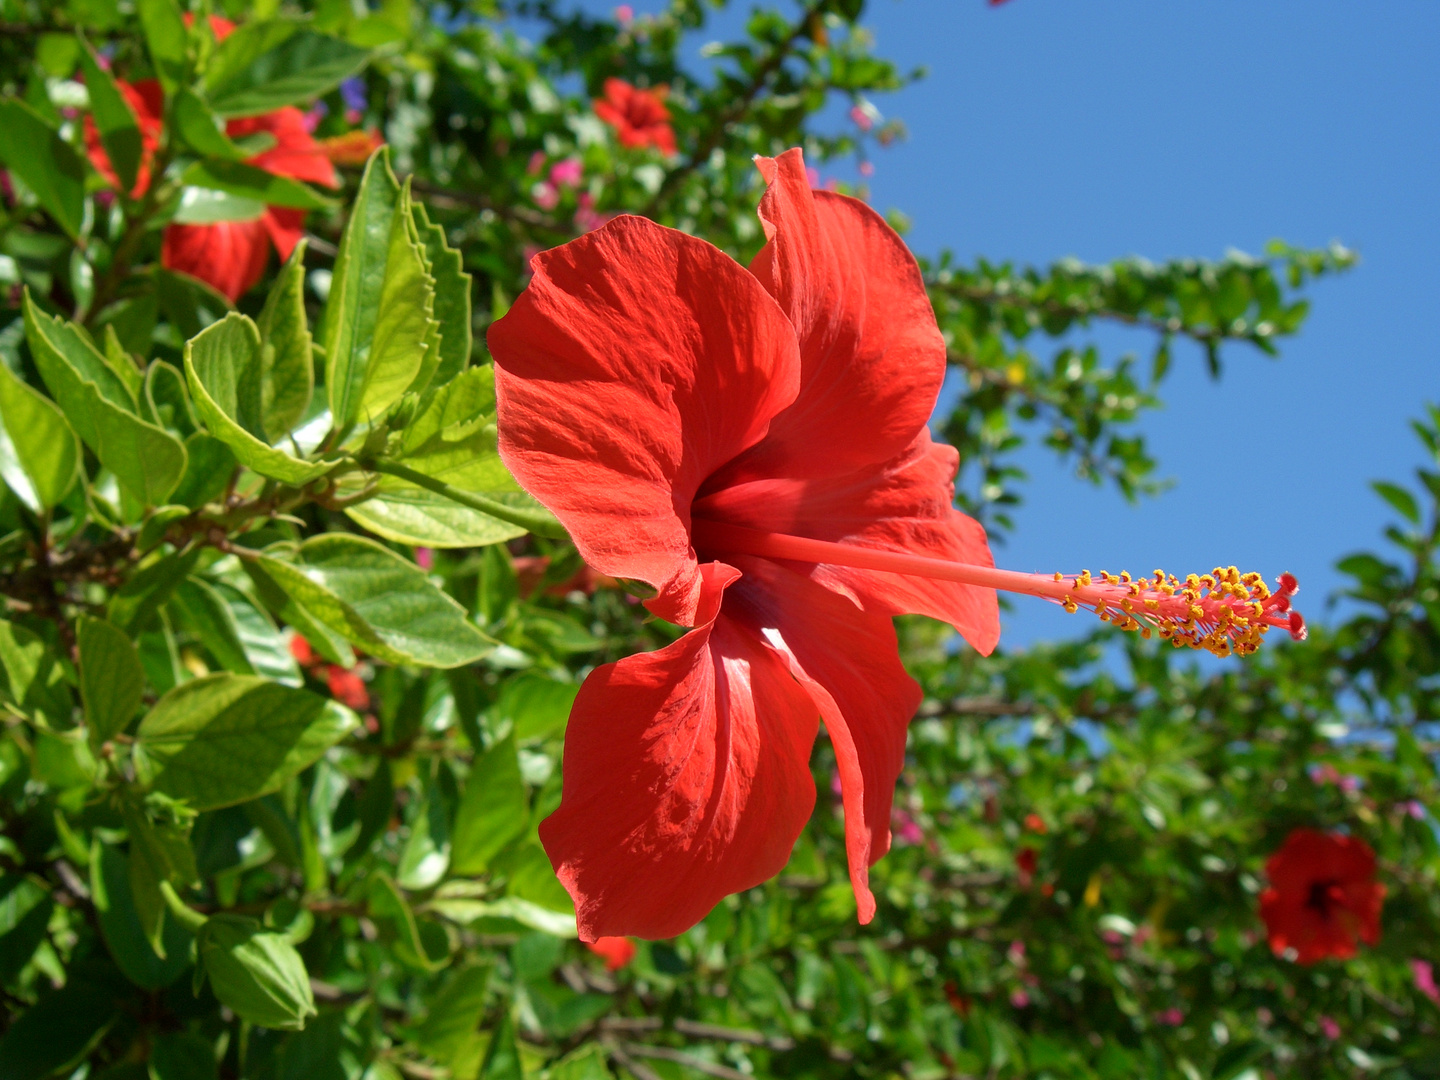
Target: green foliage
column 286, row 654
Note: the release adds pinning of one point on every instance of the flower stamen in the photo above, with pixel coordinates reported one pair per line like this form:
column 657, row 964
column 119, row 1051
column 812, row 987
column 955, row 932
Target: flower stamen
column 1223, row 612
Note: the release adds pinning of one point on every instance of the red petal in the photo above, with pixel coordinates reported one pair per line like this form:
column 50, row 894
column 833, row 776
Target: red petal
column 638, row 360
column 686, row 779
column 285, row 226
column 229, row 255
column 849, row 663
column 872, row 356
column 905, row 506
column 295, row 154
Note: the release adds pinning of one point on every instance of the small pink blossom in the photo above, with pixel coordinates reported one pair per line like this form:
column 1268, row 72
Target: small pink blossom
column 1171, row 1017
column 535, row 164
column 625, row 14
column 863, row 120
column 545, row 195
column 567, row 173
column 424, row 558
column 587, row 218
column 1016, row 953
column 1424, row 973
column 1330, row 1028
column 1019, row 999
column 1415, row 809
column 1349, row 784
column 1265, row 1016
column 812, row 174
column 867, row 168
column 905, row 828
column 1112, row 937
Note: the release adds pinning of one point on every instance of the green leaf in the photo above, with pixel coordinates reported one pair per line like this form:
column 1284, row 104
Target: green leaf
column 238, row 634
column 167, row 405
column 536, row 706
column 450, row 1030
column 55, row 1033
column 265, row 65
column 115, row 120
column 121, row 927
column 183, row 1055
column 287, row 370
column 225, row 369
column 160, row 851
column 189, row 303
column 25, row 910
column 47, row 164
column 134, row 605
column 328, row 644
column 147, row 460
column 502, row 1058
column 411, row 515
column 375, row 599
column 208, row 468
column 34, row 679
column 378, row 315
column 258, row 974
column 112, row 682
column 206, row 206
column 249, row 182
column 426, row 854
column 225, row 739
column 211, row 619
column 122, row 364
column 165, row 38
column 201, row 129
column 1400, row 499
column 39, row 454
column 493, row 811
column 452, row 307
column 387, row 905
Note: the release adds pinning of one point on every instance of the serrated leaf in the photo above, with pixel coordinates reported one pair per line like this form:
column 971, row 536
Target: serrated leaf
column 147, row 460
column 453, row 332
column 112, row 682
column 378, row 315
column 114, row 119
column 47, row 164
column 224, row 369
column 376, row 600
column 225, row 739
column 39, row 454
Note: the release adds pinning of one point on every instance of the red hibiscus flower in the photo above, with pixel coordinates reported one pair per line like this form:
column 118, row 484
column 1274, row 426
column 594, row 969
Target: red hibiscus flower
column 616, row 951
column 347, row 687
column 752, row 444
column 147, row 101
column 231, row 255
column 639, row 117
column 1323, row 896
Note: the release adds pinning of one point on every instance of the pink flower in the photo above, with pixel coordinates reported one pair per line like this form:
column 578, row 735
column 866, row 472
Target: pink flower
column 1016, row 953
column 1330, row 1028
column 1415, row 809
column 863, row 120
column 624, row 14
column 587, row 218
column 567, row 173
column 545, row 195
column 812, row 175
column 905, row 828
column 1171, row 1017
column 1019, row 999
column 1349, row 784
column 424, row 558
column 536, row 163
column 1424, row 973
column 867, row 168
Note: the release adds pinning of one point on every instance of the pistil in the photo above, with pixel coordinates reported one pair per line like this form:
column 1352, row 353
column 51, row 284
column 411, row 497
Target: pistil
column 1224, row 611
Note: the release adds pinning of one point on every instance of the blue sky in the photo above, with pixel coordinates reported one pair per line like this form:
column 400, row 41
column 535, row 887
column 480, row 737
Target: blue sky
column 1105, row 128
column 1048, row 128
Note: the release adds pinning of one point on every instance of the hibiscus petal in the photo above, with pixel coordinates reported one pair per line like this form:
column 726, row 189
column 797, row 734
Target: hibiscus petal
column 637, row 361
column 904, row 506
column 685, row 779
column 872, row 356
column 285, row 226
column 229, row 255
column 848, row 661
column 295, row 154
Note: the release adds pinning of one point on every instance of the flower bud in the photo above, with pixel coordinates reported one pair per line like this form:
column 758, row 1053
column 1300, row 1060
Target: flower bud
column 255, row 972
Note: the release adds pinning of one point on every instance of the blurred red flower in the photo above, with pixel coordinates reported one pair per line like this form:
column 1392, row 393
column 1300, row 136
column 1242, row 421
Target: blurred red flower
column 616, row 951
column 147, row 101
column 1323, row 896
column 1026, row 861
column 1035, row 823
column 347, row 687
column 639, row 117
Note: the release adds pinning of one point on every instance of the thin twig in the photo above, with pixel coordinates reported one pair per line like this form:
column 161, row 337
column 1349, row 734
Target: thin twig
column 679, row 1057
column 640, row 1072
